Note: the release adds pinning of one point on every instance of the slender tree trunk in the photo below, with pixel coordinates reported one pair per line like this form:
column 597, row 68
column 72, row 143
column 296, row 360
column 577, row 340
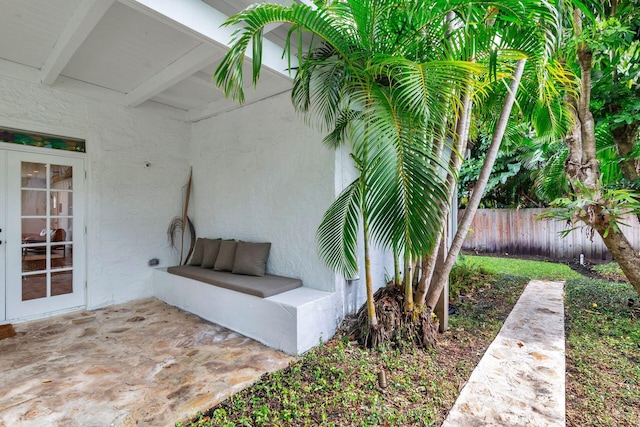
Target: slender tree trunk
column 408, row 284
column 371, row 309
column 428, row 267
column 396, row 265
column 478, row 190
column 462, row 133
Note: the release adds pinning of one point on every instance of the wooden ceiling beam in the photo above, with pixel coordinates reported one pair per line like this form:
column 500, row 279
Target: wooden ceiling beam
column 83, row 21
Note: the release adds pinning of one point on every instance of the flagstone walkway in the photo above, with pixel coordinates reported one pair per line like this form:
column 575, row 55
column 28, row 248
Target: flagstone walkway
column 520, row 380
column 143, row 363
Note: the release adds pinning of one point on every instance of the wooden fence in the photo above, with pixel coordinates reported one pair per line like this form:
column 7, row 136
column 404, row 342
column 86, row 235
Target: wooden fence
column 518, row 232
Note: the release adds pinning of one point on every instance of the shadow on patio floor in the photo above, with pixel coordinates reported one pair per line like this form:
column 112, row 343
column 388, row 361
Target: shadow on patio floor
column 140, row 363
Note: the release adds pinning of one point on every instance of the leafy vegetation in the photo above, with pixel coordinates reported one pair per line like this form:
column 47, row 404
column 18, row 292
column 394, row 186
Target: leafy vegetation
column 602, row 51
column 466, row 276
column 336, row 384
column 511, row 184
column 603, row 354
column 610, row 270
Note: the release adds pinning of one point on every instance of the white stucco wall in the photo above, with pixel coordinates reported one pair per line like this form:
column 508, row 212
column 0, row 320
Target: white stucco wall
column 129, row 206
column 261, row 174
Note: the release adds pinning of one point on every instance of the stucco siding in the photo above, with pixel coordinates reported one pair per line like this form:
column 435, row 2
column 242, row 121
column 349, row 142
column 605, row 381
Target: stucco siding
column 129, row 205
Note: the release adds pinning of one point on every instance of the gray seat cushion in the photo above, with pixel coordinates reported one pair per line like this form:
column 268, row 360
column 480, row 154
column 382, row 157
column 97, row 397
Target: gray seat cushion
column 260, row 286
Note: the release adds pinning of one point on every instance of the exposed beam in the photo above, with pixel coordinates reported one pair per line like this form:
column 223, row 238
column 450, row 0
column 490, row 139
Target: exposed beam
column 85, row 18
column 203, row 79
column 204, row 22
column 198, row 58
column 224, row 105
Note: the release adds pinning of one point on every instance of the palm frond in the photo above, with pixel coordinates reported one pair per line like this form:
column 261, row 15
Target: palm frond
column 337, row 233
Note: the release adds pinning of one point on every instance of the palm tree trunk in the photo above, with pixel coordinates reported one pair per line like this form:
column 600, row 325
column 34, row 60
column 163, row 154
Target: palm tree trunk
column 396, row 265
column 428, row 265
column 408, row 284
column 474, row 201
column 429, row 261
column 371, row 309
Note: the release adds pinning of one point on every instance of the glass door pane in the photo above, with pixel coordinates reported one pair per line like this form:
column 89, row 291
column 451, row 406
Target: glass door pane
column 61, row 223
column 34, row 209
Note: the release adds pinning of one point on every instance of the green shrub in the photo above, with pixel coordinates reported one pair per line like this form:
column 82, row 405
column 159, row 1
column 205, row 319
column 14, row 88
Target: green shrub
column 465, row 277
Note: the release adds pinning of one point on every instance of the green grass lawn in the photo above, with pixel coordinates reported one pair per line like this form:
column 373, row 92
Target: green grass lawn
column 603, row 354
column 539, row 270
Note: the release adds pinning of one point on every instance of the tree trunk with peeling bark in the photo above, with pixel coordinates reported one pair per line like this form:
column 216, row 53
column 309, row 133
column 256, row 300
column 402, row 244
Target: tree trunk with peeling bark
column 625, row 255
column 582, row 166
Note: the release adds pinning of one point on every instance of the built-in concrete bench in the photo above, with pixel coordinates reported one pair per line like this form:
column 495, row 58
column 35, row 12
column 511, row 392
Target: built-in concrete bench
column 292, row 321
column 260, row 286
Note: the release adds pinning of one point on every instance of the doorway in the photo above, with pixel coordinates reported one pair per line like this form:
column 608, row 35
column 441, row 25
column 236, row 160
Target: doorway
column 42, row 199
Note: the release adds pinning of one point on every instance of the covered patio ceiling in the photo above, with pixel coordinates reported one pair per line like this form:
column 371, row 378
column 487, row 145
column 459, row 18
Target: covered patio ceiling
column 157, row 55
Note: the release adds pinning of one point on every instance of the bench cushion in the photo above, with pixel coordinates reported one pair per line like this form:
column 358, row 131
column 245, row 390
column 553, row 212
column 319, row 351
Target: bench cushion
column 264, row 286
column 251, row 258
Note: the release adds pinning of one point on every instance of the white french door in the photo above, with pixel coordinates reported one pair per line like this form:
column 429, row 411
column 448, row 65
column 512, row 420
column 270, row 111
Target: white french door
column 43, row 229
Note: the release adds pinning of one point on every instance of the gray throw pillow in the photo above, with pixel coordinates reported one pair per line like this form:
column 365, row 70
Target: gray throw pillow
column 198, row 251
column 251, row 258
column 226, row 255
column 210, row 253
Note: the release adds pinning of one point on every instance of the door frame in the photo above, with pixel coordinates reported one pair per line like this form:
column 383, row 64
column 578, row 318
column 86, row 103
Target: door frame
column 80, row 256
column 3, row 233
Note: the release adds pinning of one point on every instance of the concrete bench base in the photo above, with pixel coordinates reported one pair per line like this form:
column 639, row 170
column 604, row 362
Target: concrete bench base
column 293, row 321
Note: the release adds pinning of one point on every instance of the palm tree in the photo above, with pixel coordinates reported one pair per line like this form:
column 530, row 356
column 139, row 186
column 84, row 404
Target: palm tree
column 519, row 49
column 391, row 78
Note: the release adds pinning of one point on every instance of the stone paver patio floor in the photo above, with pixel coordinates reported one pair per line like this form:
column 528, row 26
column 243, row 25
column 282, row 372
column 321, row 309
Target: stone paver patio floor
column 143, row 363
column 520, row 380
